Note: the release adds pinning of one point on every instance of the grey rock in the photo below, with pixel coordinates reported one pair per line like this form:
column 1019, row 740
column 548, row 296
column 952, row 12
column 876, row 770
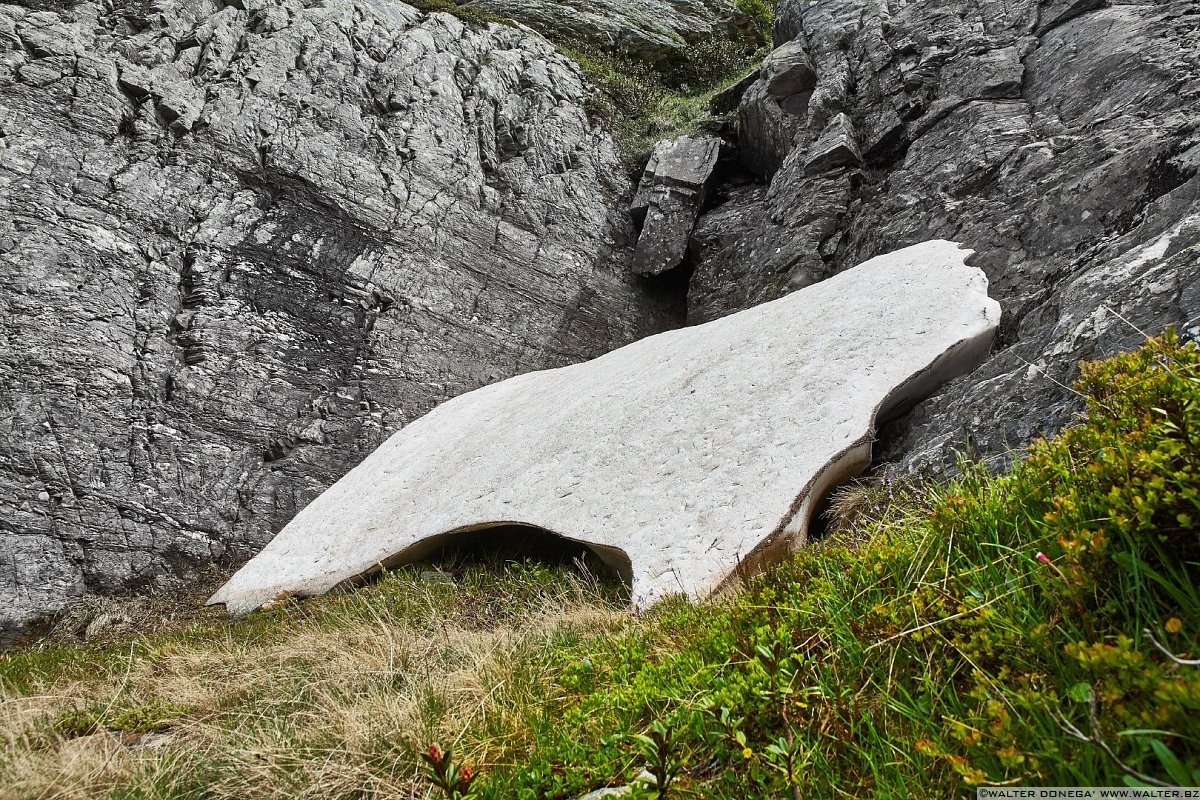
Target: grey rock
column 245, row 243
column 436, row 576
column 992, row 74
column 669, row 198
column 608, row 791
column 837, row 147
column 788, row 71
column 768, row 127
column 1058, row 139
column 657, row 32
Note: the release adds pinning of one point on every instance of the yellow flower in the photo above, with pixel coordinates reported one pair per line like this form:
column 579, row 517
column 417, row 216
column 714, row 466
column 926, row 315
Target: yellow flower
column 1174, row 625
column 747, row 752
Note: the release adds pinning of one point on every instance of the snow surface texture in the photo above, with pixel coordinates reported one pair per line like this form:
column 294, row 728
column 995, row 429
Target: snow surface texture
column 680, row 459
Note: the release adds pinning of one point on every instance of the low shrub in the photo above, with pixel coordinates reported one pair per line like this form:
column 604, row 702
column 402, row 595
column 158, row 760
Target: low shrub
column 1036, row 627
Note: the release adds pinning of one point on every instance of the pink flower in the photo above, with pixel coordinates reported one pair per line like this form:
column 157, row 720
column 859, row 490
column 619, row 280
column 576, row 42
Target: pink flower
column 1045, row 559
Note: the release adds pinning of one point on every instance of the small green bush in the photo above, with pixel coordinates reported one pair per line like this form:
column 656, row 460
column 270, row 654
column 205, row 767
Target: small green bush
column 763, row 14
column 152, row 717
column 467, row 12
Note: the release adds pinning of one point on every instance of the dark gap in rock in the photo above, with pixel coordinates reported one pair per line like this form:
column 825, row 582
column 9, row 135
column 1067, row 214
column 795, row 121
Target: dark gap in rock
column 503, row 543
column 127, row 127
column 1166, row 175
column 670, row 288
column 889, row 151
column 889, row 438
column 277, row 449
column 728, row 175
column 819, row 523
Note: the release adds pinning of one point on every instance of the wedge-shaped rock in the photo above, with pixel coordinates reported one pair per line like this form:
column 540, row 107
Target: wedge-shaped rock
column 670, row 197
column 678, row 458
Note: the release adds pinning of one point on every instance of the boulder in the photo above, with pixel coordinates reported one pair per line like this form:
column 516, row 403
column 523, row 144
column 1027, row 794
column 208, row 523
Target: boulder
column 727, row 99
column 787, row 70
column 670, row 197
column 836, row 148
column 679, row 459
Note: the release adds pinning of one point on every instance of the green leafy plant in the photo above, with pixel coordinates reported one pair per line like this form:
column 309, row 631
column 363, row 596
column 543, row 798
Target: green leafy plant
column 657, row 746
column 761, row 12
column 936, row 640
column 152, row 717
column 453, row 780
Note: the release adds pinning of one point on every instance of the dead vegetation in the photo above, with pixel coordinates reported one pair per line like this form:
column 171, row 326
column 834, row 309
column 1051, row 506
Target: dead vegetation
column 324, row 698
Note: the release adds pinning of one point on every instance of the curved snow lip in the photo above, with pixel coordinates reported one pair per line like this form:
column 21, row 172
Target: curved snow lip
column 683, row 459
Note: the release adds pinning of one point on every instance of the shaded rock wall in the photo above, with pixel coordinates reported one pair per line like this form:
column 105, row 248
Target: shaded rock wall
column 242, row 244
column 1060, row 140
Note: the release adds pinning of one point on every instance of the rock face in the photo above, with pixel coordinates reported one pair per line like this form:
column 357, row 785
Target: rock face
column 1058, row 139
column 677, row 458
column 656, row 32
column 670, row 196
column 242, row 243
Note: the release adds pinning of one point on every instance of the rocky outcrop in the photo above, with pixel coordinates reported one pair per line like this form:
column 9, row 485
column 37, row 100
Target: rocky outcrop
column 242, row 243
column 1060, row 140
column 661, row 33
column 670, row 196
column 679, row 458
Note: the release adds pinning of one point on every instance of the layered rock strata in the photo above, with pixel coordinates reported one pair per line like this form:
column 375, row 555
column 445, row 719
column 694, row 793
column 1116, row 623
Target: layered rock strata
column 1059, row 139
column 669, row 199
column 242, row 243
column 661, row 33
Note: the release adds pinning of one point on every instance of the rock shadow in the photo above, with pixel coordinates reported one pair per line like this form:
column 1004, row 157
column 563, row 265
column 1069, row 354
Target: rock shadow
column 515, row 542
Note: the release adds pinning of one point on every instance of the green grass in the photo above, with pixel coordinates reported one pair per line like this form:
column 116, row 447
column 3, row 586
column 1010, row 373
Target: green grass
column 989, row 630
column 642, row 106
column 331, row 697
column 926, row 647
column 642, row 103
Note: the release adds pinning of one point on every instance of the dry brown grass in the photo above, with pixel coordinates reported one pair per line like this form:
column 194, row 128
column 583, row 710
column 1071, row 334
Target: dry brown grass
column 332, row 698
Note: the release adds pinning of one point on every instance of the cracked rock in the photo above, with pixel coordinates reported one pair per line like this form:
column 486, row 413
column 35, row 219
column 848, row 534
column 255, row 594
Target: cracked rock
column 373, row 209
column 1057, row 139
column 836, row 148
column 787, row 70
column 670, row 197
column 657, row 32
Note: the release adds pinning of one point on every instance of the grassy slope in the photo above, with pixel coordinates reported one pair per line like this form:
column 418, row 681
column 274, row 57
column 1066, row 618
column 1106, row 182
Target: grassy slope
column 928, row 647
column 923, row 648
column 330, row 698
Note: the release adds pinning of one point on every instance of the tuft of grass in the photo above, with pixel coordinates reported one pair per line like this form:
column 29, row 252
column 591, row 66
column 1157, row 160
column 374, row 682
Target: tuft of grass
column 642, row 106
column 323, row 698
